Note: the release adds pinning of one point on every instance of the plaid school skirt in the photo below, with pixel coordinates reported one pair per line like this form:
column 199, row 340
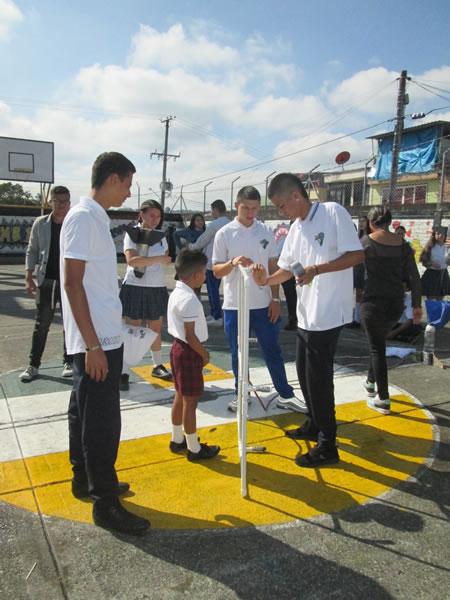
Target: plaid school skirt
column 145, row 303
column 187, row 369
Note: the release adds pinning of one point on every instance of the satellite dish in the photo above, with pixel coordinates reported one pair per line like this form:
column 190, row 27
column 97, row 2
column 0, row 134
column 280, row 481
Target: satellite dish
column 342, row 157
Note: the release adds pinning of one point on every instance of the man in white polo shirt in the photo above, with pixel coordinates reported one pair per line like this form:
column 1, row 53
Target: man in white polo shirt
column 245, row 241
column 92, row 314
column 323, row 239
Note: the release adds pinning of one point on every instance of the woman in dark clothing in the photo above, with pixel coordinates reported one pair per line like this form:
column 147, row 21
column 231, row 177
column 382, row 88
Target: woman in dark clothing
column 387, row 257
column 435, row 280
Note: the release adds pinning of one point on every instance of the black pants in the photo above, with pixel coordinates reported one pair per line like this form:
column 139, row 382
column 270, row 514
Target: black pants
column 315, row 358
column 94, row 426
column 290, row 291
column 378, row 315
column 48, row 295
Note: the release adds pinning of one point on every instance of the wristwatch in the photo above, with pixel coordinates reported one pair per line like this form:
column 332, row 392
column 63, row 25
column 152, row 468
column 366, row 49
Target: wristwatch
column 276, row 300
column 231, row 262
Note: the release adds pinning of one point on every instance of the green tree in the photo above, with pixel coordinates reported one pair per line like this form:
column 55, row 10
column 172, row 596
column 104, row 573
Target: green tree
column 13, row 193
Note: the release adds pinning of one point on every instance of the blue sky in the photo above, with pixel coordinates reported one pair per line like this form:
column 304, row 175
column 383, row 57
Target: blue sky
column 250, row 82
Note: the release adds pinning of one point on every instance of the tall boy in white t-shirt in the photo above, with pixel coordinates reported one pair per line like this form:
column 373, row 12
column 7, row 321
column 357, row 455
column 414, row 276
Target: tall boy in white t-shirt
column 187, row 323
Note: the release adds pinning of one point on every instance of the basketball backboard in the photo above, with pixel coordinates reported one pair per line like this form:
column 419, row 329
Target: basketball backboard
column 26, row 160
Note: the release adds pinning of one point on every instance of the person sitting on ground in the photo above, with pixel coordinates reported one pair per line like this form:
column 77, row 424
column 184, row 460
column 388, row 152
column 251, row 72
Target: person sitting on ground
column 405, row 330
column 187, row 324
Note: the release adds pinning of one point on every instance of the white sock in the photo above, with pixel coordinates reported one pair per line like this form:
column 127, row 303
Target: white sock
column 177, row 434
column 125, row 369
column 357, row 307
column 192, row 442
column 157, row 358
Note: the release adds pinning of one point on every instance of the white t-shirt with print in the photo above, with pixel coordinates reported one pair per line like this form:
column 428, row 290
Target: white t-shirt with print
column 185, row 307
column 86, row 236
column 154, row 274
column 326, row 233
column 256, row 242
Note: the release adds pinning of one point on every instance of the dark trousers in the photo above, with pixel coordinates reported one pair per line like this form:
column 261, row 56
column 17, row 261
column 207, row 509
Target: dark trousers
column 213, row 285
column 315, row 357
column 48, row 295
column 94, row 426
column 377, row 318
column 290, row 291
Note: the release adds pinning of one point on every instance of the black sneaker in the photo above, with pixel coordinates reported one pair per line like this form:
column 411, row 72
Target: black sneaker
column 124, row 384
column 304, row 432
column 110, row 514
column 178, row 446
column 161, row 372
column 317, row 457
column 205, row 452
column 353, row 325
column 80, row 489
column 291, row 325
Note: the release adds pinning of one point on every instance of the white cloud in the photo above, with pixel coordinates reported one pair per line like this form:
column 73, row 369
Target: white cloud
column 9, row 16
column 373, row 90
column 172, row 49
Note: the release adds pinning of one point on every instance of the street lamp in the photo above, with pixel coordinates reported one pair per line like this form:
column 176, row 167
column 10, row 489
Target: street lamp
column 267, row 186
column 232, row 184
column 204, row 196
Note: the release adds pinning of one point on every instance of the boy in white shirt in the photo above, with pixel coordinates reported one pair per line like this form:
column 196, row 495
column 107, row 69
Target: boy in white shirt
column 187, row 324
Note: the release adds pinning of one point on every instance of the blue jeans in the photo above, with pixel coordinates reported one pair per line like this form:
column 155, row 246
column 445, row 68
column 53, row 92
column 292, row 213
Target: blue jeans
column 267, row 334
column 213, row 285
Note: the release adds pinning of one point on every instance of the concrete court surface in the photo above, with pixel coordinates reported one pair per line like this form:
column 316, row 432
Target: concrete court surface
column 375, row 524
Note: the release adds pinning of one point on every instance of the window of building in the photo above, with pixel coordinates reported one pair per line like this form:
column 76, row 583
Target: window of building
column 411, row 194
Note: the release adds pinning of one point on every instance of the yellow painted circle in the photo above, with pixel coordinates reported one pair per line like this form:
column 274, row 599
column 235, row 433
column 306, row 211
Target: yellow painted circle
column 377, row 453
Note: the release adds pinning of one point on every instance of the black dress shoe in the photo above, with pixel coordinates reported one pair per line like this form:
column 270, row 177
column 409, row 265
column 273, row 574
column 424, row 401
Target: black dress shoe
column 291, row 325
column 304, row 432
column 178, row 446
column 318, row 456
column 110, row 514
column 124, row 384
column 205, row 452
column 80, row 490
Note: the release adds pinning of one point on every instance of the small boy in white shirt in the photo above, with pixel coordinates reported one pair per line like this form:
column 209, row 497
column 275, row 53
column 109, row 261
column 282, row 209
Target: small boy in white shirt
column 187, row 324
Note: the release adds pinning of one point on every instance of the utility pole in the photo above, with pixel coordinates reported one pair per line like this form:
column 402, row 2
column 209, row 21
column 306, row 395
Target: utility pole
column 399, row 120
column 165, row 185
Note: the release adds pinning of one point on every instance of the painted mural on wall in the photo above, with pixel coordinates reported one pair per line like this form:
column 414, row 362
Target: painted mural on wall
column 15, row 233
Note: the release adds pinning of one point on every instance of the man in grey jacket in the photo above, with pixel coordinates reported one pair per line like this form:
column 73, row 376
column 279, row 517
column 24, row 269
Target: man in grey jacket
column 43, row 252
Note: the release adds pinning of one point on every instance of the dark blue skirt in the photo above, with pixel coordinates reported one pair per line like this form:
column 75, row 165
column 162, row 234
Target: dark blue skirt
column 144, row 303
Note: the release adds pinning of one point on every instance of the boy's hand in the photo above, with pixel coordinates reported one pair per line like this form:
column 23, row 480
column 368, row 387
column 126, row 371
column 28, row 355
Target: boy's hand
column 259, row 274
column 205, row 358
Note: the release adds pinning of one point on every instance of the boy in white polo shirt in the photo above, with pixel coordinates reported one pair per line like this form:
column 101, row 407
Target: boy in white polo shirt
column 92, row 315
column 245, row 241
column 187, row 323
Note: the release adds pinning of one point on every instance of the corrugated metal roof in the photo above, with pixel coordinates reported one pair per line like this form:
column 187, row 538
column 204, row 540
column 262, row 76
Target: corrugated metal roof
column 378, row 136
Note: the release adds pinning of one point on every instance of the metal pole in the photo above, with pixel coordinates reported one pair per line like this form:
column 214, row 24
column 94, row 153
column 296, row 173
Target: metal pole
column 139, row 195
column 267, row 186
column 204, row 196
column 166, row 144
column 397, row 135
column 232, row 185
column 365, row 180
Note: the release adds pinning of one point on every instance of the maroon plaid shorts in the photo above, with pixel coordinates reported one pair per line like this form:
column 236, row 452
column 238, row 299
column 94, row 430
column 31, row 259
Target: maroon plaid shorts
column 187, row 369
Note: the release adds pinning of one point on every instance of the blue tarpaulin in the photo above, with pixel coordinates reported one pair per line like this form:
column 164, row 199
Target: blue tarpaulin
column 418, row 152
column 438, row 312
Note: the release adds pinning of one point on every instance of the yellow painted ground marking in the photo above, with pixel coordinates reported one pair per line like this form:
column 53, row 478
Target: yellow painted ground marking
column 210, row 373
column 377, row 453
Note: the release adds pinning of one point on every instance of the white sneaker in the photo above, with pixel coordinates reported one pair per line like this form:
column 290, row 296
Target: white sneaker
column 29, row 374
column 67, row 370
column 233, row 404
column 381, row 406
column 293, row 403
column 216, row 322
column 209, row 318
